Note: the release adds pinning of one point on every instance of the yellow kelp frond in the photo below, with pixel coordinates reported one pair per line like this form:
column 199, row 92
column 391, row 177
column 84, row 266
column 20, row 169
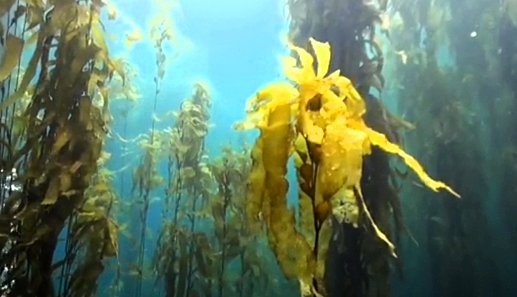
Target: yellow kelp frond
column 376, row 228
column 380, row 140
column 264, row 102
column 267, row 193
column 309, row 82
column 322, row 51
column 331, row 115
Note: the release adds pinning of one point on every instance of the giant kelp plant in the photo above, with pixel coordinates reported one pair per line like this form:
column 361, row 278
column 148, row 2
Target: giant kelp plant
column 237, row 242
column 188, row 183
column 54, row 112
column 146, row 177
column 319, row 121
column 206, row 246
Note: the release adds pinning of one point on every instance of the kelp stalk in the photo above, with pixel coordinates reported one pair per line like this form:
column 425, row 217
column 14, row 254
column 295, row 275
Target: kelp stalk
column 149, row 157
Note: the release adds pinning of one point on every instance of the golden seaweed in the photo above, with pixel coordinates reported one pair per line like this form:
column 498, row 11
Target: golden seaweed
column 327, row 113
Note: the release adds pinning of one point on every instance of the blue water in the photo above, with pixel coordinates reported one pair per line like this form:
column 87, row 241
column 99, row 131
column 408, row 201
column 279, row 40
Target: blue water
column 233, row 46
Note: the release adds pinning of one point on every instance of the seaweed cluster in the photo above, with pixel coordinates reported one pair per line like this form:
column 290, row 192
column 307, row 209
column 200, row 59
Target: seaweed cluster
column 205, row 231
column 188, row 182
column 320, row 122
column 54, row 121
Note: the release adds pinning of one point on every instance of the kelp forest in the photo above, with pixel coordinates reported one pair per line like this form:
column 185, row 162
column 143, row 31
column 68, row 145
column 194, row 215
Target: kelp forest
column 381, row 160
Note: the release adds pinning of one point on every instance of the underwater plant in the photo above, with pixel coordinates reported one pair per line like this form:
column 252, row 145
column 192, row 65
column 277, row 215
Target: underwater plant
column 231, row 171
column 205, row 233
column 319, row 121
column 146, row 177
column 177, row 255
column 58, row 108
column 92, row 236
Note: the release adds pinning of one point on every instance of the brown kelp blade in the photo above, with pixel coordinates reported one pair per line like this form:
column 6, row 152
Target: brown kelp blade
column 12, row 55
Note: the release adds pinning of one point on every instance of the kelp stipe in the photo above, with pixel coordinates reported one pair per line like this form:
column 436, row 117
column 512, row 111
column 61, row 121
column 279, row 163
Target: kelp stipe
column 61, row 123
column 146, row 177
column 320, row 122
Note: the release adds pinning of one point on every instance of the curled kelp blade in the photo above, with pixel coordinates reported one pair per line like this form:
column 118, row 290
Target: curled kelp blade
column 11, row 57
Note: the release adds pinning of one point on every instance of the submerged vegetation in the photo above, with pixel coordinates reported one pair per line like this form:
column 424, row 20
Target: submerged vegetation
column 321, row 123
column 54, row 117
column 90, row 207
